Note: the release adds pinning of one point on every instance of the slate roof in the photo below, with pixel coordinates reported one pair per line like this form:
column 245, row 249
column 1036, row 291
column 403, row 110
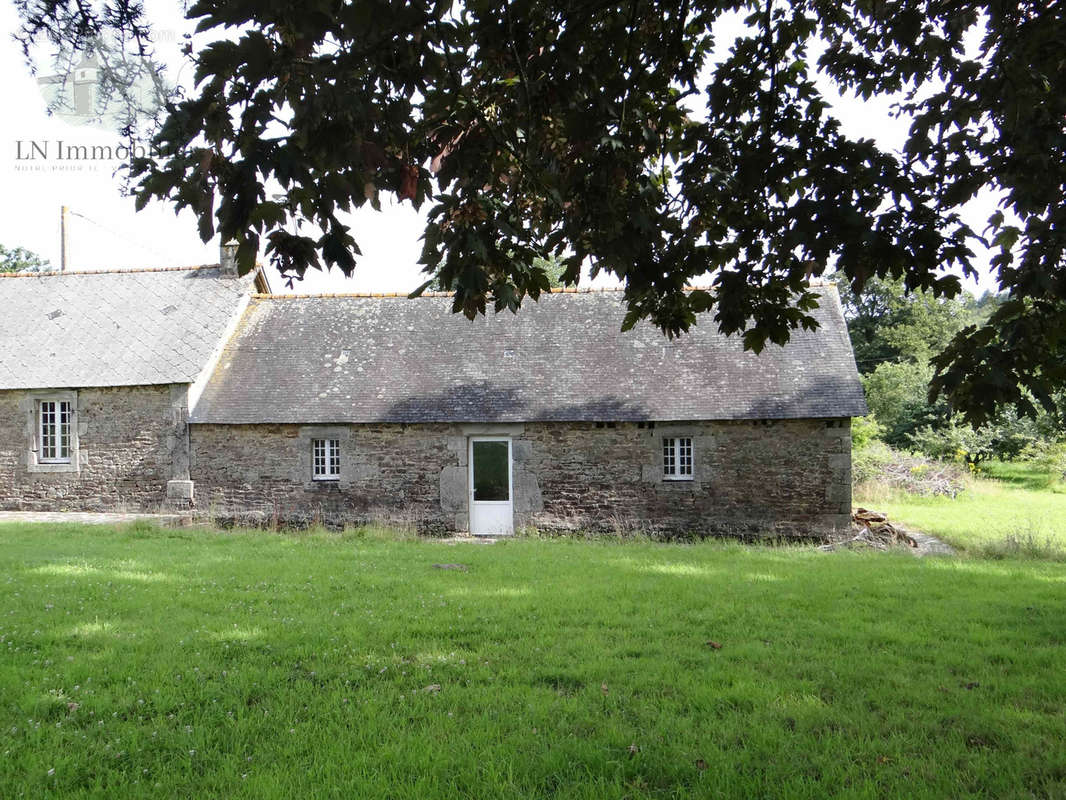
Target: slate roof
column 113, row 328
column 336, row 359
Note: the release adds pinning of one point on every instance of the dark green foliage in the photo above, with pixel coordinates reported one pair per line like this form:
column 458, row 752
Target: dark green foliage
column 1007, row 437
column 604, row 134
column 865, row 431
column 19, row 259
column 888, row 324
column 895, row 335
column 552, row 268
column 898, row 396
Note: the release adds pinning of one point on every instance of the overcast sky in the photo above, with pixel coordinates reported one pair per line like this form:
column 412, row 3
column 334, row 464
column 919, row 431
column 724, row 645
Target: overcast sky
column 106, row 232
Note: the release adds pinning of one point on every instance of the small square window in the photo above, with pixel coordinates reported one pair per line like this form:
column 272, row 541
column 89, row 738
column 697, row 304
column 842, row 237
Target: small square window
column 326, row 459
column 53, row 430
column 677, row 458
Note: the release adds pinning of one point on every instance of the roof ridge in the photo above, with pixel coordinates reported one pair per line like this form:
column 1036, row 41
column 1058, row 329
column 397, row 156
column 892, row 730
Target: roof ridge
column 324, row 295
column 60, row 273
column 407, row 296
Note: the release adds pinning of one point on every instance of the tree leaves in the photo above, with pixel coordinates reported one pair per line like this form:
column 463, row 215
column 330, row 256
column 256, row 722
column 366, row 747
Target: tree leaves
column 602, row 135
column 19, row 259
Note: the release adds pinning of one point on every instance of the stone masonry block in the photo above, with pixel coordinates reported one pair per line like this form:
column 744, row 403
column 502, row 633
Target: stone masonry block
column 453, row 489
column 180, row 490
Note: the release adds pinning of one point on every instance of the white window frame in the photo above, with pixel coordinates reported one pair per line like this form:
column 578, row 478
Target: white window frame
column 678, row 458
column 325, row 459
column 55, row 418
column 43, row 439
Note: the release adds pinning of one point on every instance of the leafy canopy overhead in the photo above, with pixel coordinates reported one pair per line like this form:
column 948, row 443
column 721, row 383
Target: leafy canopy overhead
column 607, row 133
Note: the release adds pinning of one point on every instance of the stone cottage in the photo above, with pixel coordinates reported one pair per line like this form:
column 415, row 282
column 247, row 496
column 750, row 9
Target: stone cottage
column 197, row 388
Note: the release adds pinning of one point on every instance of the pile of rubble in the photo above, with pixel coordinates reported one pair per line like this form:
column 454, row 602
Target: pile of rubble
column 923, row 476
column 872, row 529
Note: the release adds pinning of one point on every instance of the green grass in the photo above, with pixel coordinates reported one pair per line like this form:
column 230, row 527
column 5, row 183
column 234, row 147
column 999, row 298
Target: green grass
column 144, row 663
column 1023, row 475
column 1012, row 509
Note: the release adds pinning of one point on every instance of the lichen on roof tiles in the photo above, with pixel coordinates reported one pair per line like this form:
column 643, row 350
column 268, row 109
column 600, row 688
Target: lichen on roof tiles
column 562, row 358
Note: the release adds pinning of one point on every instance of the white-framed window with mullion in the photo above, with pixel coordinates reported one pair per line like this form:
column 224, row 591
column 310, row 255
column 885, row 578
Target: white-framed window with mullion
column 678, row 458
column 53, row 430
column 325, row 459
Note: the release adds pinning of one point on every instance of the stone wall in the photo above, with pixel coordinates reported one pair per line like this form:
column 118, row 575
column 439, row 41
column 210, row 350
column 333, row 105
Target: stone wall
column 263, row 473
column 128, row 442
column 751, row 478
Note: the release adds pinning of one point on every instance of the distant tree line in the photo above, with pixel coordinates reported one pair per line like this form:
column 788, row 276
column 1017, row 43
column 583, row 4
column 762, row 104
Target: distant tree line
column 896, row 335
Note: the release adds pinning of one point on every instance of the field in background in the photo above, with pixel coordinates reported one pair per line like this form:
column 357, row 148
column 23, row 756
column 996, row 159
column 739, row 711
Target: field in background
column 1010, row 508
column 147, row 663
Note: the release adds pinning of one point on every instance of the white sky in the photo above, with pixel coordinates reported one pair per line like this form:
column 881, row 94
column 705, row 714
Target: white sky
column 119, row 237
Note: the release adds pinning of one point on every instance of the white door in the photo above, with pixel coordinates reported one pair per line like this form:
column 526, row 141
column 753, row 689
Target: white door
column 491, row 509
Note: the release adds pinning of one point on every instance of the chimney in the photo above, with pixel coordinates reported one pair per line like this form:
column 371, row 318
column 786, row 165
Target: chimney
column 227, row 259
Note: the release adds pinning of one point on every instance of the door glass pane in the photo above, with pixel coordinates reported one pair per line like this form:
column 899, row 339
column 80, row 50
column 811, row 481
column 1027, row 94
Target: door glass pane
column 491, row 480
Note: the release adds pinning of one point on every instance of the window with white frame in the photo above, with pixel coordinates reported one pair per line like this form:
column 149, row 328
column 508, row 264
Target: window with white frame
column 325, row 459
column 677, row 458
column 53, row 431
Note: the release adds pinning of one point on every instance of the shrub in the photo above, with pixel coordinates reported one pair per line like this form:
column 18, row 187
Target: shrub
column 954, row 442
column 868, row 462
column 1049, row 457
column 1006, row 439
column 865, row 430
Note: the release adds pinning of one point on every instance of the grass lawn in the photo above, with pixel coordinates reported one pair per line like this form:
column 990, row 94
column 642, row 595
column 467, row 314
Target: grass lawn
column 146, row 663
column 1013, row 507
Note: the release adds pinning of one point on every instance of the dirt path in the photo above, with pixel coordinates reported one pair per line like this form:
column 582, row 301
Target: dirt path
column 929, row 545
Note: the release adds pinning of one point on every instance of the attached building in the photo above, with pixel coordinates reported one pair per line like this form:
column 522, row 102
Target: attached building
column 98, row 371
column 130, row 389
